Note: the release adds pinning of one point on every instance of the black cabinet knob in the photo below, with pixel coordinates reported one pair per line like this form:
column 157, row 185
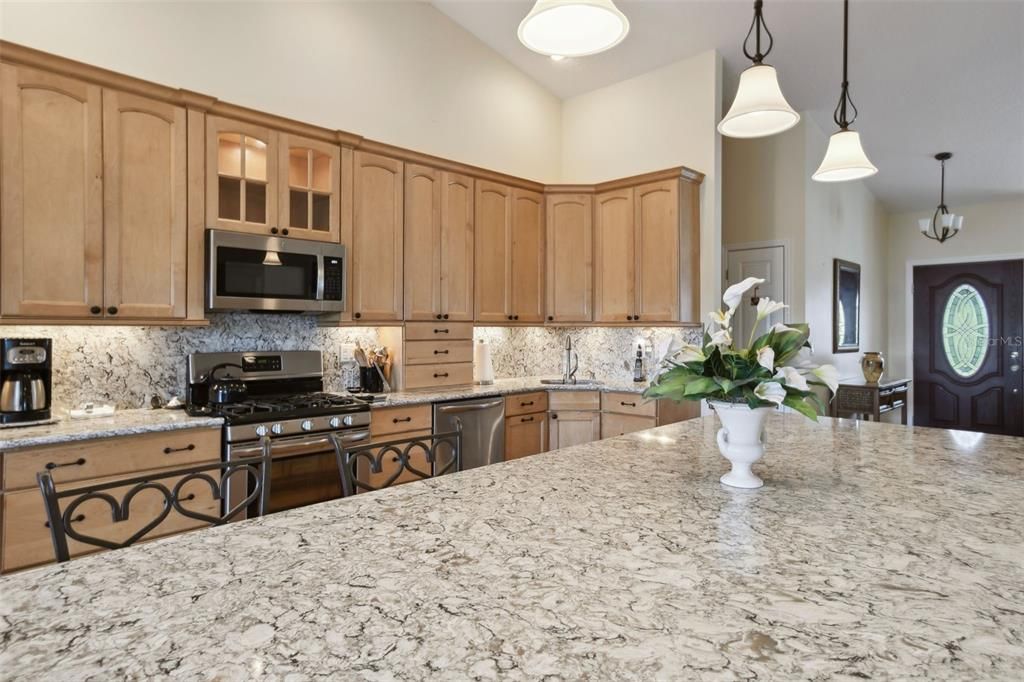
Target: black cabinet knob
column 284, row 231
column 554, row 416
column 446, row 316
column 112, row 310
column 438, row 317
column 550, row 318
column 273, row 230
column 357, row 315
column 515, row 317
column 510, row 317
column 95, row 310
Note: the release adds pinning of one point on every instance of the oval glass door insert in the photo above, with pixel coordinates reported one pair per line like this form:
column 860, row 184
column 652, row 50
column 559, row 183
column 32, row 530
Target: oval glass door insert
column 965, row 330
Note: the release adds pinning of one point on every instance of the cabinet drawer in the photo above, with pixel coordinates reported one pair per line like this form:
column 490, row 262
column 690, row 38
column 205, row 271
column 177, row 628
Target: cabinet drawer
column 618, row 424
column 105, row 457
column 430, row 331
column 429, row 376
column 628, row 403
column 391, row 420
column 433, row 352
column 526, row 403
column 417, row 459
column 574, row 400
column 26, row 537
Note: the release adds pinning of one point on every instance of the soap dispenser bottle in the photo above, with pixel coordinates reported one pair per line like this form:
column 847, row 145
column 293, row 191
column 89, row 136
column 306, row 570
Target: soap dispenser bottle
column 638, row 365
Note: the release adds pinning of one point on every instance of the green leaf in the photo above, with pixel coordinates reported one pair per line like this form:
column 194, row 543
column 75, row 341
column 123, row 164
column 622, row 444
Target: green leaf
column 801, row 406
column 703, row 386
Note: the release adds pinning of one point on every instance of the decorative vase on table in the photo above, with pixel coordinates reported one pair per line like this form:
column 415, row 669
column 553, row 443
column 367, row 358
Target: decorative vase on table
column 741, row 440
column 873, row 366
column 744, row 384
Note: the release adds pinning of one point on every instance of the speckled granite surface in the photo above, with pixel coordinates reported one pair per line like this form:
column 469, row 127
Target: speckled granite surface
column 873, row 551
column 121, row 423
column 500, row 387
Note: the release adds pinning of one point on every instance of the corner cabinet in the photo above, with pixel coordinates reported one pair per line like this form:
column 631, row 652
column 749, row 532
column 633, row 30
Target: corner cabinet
column 377, row 238
column 570, row 255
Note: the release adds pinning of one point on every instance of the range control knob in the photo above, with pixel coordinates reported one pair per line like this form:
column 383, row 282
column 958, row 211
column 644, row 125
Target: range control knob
column 307, row 424
column 277, row 428
column 335, row 422
column 261, row 430
column 347, row 420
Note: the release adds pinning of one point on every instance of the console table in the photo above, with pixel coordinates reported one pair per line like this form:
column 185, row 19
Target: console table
column 858, row 398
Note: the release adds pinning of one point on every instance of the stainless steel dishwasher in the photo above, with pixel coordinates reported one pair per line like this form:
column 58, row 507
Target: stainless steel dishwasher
column 483, row 428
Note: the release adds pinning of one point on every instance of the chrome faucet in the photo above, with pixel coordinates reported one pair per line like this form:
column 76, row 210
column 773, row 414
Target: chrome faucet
column 570, row 362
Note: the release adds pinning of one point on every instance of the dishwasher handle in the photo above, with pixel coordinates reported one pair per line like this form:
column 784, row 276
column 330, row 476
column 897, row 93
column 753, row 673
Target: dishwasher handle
column 475, row 407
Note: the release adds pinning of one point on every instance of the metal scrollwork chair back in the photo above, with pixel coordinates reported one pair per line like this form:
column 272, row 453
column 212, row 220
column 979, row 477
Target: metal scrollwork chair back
column 442, row 454
column 215, row 475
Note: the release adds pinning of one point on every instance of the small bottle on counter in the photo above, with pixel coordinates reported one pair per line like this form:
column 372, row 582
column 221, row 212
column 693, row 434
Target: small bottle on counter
column 638, row 365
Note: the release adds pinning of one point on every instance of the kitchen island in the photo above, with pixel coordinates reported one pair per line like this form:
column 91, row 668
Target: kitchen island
column 873, row 550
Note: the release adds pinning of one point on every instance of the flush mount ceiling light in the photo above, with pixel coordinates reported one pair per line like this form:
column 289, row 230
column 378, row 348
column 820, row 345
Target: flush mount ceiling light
column 943, row 225
column 573, row 28
column 845, row 158
column 759, row 109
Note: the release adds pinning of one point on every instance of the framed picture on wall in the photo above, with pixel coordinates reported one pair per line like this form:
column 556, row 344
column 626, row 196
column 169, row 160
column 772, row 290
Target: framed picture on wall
column 845, row 306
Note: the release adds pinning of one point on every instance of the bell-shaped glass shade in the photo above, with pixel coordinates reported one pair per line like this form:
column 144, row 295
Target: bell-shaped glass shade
column 924, row 225
column 958, row 224
column 573, row 28
column 947, row 220
column 844, row 159
column 759, row 109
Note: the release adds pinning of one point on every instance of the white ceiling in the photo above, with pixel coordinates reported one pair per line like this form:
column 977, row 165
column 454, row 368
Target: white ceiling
column 926, row 75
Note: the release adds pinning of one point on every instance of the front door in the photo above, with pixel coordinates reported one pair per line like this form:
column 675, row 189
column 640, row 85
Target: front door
column 767, row 263
column 967, row 346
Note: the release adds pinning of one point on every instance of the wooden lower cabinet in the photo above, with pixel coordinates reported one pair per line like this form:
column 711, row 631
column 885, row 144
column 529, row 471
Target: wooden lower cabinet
column 619, row 424
column 526, row 435
column 568, row 428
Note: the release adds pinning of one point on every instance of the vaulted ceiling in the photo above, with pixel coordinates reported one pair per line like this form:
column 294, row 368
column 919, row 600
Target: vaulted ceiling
column 926, row 75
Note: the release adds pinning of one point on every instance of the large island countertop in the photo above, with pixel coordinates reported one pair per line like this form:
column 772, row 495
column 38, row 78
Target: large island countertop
column 873, row 551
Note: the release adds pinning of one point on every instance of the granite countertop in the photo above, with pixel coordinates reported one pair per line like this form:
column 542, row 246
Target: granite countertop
column 501, row 387
column 873, row 551
column 121, row 423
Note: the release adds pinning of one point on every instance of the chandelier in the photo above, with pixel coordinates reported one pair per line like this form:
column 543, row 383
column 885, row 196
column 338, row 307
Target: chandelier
column 943, row 225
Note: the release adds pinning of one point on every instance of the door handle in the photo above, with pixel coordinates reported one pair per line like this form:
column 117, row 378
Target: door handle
column 456, row 409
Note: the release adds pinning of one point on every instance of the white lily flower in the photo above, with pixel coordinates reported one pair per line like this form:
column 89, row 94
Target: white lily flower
column 766, row 358
column 770, row 391
column 791, row 377
column 767, row 306
column 722, row 338
column 690, row 353
column 828, row 375
column 734, row 294
column 720, row 318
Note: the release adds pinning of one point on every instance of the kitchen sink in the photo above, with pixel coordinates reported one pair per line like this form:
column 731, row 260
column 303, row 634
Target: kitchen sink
column 577, row 382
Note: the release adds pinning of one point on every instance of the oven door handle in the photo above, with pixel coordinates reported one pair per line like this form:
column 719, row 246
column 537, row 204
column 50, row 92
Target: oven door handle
column 283, row 446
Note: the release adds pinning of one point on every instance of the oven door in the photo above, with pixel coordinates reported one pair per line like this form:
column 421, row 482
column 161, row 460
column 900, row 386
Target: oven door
column 303, row 470
column 254, row 272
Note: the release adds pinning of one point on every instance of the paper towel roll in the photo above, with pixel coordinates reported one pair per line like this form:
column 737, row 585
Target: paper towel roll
column 483, row 368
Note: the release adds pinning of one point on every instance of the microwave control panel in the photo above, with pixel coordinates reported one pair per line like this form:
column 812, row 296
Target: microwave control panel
column 333, row 275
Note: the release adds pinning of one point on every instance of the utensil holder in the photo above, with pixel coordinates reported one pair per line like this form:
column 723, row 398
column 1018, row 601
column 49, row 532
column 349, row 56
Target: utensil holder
column 369, row 379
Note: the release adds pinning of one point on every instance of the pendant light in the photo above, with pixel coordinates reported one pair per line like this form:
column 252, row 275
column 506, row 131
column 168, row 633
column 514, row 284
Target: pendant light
column 943, row 225
column 573, row 28
column 759, row 109
column 845, row 158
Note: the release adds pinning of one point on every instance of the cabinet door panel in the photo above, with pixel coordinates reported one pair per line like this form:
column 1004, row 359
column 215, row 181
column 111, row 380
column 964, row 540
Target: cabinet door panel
column 377, row 235
column 493, row 261
column 309, row 189
column 241, row 176
column 619, row 424
column 422, row 243
column 656, row 225
column 145, row 229
column 457, row 246
column 526, row 435
column 614, row 256
column 569, row 278
column 528, row 260
column 52, row 194
column 573, row 428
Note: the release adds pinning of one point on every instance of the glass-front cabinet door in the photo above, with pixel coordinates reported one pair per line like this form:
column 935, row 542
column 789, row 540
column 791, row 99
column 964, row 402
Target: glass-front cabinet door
column 309, row 201
column 241, row 169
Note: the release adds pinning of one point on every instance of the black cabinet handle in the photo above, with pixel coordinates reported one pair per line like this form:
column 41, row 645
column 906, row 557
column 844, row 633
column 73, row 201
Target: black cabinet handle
column 357, row 315
column 273, row 230
column 112, row 310
column 440, row 352
column 636, row 317
column 550, row 318
column 95, row 310
column 515, row 317
column 522, row 404
column 441, row 375
column 77, row 519
column 439, row 316
column 526, row 419
column 510, row 317
column 50, row 466
column 554, row 416
column 187, row 448
column 284, row 231
column 441, row 331
column 446, row 316
column 396, row 420
column 625, row 404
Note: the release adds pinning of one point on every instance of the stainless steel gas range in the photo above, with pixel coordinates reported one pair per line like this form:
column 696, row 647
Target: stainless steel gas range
column 278, row 395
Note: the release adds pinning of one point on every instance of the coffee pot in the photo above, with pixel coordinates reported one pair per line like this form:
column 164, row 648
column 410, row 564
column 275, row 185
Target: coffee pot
column 25, row 381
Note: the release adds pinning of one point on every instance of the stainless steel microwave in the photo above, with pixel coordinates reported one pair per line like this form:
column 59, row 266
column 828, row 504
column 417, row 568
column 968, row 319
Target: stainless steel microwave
column 256, row 272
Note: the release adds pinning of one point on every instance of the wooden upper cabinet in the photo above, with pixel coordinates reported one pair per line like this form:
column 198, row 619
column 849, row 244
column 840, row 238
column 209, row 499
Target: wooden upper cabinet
column 377, row 238
column 569, row 281
column 528, row 261
column 309, row 199
column 145, row 228
column 51, row 195
column 657, row 230
column 457, row 246
column 422, row 243
column 493, row 261
column 614, row 256
column 689, row 251
column 241, row 176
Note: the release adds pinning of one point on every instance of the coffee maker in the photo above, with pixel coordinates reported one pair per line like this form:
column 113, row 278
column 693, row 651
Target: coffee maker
column 25, row 379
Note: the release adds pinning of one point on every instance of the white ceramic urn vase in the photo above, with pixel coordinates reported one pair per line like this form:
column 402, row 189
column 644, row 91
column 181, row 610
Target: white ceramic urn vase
column 741, row 441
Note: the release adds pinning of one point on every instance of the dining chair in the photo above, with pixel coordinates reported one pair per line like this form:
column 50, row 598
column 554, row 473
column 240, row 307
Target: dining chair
column 63, row 505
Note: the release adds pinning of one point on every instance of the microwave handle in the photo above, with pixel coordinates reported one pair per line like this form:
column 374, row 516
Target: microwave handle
column 319, row 276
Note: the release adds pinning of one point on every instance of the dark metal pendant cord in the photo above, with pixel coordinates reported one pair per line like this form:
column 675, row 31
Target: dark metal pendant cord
column 755, row 29
column 841, row 113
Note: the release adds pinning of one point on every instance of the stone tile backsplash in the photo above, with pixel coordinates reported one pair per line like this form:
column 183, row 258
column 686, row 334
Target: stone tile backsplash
column 127, row 365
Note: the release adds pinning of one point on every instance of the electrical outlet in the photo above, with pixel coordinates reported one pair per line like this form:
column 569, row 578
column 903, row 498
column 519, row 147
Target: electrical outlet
column 345, row 352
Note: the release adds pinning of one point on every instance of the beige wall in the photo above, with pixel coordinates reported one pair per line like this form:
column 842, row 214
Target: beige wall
column 657, row 120
column 401, row 73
